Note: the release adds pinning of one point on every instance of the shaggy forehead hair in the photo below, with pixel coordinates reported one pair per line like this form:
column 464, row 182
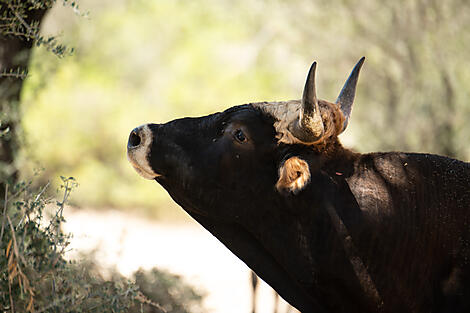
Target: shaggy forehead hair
column 287, row 112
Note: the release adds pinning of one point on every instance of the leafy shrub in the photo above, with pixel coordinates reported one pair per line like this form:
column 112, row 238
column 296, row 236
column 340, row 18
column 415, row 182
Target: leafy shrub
column 168, row 290
column 35, row 276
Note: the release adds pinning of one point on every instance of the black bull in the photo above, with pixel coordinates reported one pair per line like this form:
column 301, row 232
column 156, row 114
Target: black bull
column 329, row 229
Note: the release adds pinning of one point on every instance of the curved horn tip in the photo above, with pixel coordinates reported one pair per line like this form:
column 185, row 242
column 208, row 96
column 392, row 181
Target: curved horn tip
column 347, row 94
column 314, row 65
column 311, row 71
column 357, row 67
column 361, row 61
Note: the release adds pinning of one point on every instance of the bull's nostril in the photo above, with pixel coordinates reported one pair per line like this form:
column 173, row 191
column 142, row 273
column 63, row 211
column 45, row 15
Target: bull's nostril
column 134, row 139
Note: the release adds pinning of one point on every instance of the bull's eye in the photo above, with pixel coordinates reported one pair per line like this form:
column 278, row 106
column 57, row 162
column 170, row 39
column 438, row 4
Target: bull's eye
column 239, row 135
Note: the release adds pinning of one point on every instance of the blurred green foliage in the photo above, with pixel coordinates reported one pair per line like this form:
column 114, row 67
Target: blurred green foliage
column 145, row 61
column 37, row 277
column 168, row 290
column 138, row 62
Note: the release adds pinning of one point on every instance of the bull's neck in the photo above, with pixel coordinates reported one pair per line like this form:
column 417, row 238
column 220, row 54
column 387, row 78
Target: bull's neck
column 339, row 161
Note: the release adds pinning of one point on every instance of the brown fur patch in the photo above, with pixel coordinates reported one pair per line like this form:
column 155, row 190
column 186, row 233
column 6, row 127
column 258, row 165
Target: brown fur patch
column 287, row 112
column 294, row 175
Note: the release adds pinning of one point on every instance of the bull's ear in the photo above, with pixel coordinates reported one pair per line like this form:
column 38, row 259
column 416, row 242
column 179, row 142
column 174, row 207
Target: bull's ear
column 294, row 175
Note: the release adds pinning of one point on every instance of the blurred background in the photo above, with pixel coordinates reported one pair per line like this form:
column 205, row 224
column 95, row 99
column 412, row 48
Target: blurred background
column 145, row 61
column 139, row 61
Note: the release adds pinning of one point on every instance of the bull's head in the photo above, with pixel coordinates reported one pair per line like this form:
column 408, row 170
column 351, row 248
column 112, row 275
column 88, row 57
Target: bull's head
column 244, row 173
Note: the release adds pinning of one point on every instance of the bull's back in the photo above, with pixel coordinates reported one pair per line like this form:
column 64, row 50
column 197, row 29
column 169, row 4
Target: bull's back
column 399, row 184
column 415, row 235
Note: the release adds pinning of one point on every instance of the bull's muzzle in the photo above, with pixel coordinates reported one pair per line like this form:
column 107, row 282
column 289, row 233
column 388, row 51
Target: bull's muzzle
column 138, row 150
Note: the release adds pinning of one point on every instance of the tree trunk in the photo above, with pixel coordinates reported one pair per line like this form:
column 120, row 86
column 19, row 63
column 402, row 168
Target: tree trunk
column 15, row 52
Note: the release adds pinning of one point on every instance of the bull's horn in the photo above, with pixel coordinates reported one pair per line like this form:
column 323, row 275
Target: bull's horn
column 309, row 127
column 346, row 97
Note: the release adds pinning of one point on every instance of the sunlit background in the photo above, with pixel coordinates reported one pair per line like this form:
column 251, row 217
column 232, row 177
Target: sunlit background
column 139, row 61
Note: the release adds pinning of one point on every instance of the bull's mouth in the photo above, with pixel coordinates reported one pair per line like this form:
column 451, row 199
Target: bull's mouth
column 138, row 149
column 142, row 171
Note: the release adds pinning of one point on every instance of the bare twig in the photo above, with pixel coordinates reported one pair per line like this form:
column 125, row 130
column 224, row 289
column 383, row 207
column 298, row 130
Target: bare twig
column 38, row 196
column 143, row 299
column 11, row 298
column 42, row 191
column 15, row 244
column 4, row 211
column 14, row 74
column 14, row 270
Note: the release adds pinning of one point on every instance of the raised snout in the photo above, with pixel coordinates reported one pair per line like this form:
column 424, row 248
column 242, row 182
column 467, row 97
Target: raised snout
column 138, row 151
